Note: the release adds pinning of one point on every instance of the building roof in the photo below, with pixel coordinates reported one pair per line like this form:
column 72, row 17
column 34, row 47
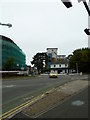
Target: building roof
column 52, row 48
column 6, row 39
column 2, row 37
column 61, row 56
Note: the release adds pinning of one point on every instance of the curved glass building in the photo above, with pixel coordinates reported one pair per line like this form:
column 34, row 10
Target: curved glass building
column 13, row 58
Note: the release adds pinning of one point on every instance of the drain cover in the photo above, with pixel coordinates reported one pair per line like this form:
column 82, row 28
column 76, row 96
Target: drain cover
column 77, row 103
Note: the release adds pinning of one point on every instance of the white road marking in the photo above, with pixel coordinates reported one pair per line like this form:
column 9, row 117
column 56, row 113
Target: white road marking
column 8, row 86
column 28, row 98
column 77, row 103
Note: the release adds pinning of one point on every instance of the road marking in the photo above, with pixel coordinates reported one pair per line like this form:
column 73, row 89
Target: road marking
column 19, row 108
column 8, row 86
column 77, row 103
column 28, row 98
column 13, row 111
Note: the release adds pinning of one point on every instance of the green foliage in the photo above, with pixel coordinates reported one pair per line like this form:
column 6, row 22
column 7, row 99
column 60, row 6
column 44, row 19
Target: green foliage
column 39, row 60
column 82, row 58
column 9, row 64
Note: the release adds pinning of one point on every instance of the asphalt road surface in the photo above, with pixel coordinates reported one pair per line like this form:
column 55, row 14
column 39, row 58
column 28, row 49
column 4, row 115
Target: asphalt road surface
column 15, row 92
column 74, row 107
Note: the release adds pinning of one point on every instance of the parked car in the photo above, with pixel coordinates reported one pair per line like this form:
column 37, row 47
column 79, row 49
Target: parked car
column 53, row 74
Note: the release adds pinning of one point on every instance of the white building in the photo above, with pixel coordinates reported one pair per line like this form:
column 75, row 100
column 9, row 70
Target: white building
column 57, row 62
column 61, row 56
column 60, row 67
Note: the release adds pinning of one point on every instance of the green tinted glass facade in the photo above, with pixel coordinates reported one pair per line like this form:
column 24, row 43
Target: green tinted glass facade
column 0, row 55
column 11, row 51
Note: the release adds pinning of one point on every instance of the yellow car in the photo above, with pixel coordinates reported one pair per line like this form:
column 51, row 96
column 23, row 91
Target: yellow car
column 53, row 74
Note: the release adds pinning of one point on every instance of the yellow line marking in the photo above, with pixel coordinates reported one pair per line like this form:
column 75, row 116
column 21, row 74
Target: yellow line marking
column 16, row 110
column 19, row 107
column 12, row 111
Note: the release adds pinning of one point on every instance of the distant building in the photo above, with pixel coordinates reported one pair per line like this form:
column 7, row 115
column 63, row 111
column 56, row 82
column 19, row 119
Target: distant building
column 57, row 62
column 28, row 68
column 52, row 55
column 61, row 56
column 11, row 51
column 52, row 51
column 61, row 67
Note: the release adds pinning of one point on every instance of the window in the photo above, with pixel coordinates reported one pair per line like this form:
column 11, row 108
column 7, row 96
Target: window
column 65, row 64
column 54, row 65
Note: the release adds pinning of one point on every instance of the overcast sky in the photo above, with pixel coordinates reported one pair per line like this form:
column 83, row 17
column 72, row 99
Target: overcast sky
column 40, row 24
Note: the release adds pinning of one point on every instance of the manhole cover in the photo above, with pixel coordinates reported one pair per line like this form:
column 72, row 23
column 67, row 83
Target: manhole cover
column 77, row 103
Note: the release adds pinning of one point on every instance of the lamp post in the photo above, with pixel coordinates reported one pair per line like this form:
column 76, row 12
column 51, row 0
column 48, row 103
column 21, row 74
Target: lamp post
column 86, row 6
column 87, row 31
column 9, row 25
column 68, row 4
column 77, row 68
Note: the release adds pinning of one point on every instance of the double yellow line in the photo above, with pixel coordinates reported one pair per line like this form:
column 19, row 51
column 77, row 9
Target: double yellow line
column 18, row 108
column 22, row 106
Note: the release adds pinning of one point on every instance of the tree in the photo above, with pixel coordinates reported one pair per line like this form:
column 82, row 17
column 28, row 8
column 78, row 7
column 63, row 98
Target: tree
column 40, row 60
column 69, row 56
column 9, row 64
column 81, row 57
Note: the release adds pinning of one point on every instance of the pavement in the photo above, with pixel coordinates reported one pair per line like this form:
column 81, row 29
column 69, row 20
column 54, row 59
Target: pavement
column 74, row 107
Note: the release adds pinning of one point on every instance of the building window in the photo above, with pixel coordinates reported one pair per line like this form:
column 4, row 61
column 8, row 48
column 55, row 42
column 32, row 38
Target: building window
column 54, row 65
column 65, row 64
column 59, row 65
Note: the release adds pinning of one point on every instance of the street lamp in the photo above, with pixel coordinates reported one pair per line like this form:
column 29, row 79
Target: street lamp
column 67, row 3
column 87, row 31
column 86, row 6
column 77, row 68
column 9, row 25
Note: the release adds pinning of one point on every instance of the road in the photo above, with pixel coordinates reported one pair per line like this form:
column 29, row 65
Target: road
column 74, row 107
column 15, row 92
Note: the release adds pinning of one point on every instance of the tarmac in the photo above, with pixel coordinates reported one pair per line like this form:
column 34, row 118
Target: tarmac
column 51, row 98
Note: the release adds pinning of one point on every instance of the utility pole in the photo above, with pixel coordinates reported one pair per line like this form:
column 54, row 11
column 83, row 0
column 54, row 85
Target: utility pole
column 77, row 68
column 8, row 24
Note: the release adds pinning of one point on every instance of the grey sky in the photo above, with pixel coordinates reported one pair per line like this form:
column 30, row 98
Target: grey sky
column 38, row 24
